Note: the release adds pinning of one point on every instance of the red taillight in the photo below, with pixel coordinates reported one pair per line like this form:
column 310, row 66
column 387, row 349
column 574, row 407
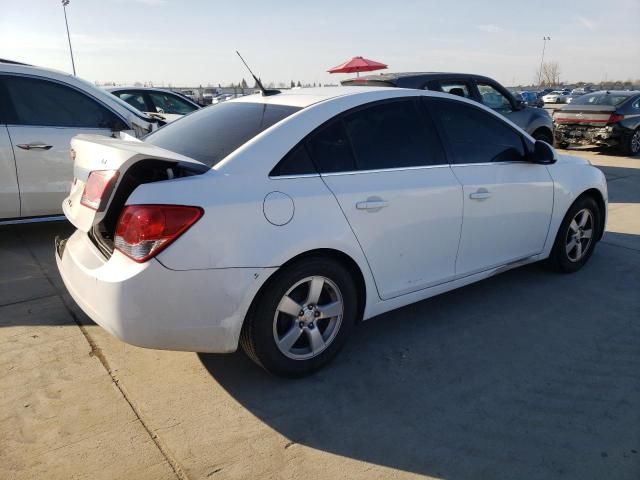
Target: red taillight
column 145, row 230
column 615, row 118
column 98, row 188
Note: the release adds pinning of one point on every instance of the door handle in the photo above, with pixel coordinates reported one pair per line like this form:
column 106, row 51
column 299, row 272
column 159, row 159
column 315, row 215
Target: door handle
column 480, row 194
column 34, row 146
column 372, row 205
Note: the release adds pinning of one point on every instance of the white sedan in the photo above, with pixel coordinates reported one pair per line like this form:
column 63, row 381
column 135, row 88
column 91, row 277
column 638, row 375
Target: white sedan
column 557, row 96
column 40, row 111
column 277, row 222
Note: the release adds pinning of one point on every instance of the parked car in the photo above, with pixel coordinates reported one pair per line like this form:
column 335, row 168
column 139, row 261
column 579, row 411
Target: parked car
column 607, row 118
column 530, row 98
column 535, row 122
column 40, row 110
column 279, row 221
column 190, row 94
column 157, row 102
column 557, row 96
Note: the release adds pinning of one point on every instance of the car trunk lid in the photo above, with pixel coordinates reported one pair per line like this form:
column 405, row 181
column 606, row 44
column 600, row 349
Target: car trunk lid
column 587, row 115
column 101, row 167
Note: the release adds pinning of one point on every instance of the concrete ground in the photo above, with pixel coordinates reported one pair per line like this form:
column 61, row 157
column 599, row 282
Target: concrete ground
column 528, row 375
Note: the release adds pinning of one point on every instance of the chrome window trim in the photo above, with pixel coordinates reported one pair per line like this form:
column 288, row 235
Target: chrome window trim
column 383, row 170
column 302, row 175
column 488, row 163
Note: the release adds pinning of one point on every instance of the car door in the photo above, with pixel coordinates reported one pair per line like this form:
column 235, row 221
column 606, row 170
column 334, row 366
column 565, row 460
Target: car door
column 386, row 167
column 46, row 115
column 507, row 200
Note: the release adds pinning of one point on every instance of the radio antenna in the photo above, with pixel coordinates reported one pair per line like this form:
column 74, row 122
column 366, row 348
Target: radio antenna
column 264, row 91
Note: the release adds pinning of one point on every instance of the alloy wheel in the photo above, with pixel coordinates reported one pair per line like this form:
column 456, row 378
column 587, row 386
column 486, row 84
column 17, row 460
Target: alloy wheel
column 635, row 142
column 308, row 318
column 579, row 235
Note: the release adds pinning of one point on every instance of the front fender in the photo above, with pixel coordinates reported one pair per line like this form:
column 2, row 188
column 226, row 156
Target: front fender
column 572, row 176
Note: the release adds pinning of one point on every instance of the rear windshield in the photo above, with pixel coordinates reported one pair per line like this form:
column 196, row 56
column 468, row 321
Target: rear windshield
column 210, row 134
column 610, row 99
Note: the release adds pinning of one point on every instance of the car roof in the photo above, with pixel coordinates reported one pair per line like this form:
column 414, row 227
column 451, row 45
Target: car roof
column 304, row 97
column 624, row 93
column 392, row 77
column 153, row 89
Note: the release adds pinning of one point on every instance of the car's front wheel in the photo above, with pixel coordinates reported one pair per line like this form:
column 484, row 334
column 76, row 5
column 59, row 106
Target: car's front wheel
column 577, row 236
column 302, row 318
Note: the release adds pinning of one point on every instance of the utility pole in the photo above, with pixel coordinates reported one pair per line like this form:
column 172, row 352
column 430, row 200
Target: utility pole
column 64, row 9
column 544, row 45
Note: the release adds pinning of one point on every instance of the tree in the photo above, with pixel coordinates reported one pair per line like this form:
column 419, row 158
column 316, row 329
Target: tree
column 549, row 74
column 299, row 84
column 293, row 84
column 244, row 84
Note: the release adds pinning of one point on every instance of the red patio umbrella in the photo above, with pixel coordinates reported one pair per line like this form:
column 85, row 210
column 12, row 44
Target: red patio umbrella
column 357, row 64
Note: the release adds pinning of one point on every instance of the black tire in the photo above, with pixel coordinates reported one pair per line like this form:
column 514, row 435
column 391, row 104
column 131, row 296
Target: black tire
column 559, row 144
column 630, row 146
column 258, row 336
column 561, row 259
column 543, row 135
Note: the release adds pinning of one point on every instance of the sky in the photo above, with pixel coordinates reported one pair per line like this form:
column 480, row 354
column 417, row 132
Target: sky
column 193, row 42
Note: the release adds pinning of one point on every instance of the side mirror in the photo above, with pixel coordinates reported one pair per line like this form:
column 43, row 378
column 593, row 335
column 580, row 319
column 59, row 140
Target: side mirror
column 543, row 153
column 520, row 104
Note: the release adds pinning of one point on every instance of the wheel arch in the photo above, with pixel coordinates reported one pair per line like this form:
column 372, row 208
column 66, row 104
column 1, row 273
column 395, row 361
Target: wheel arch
column 345, row 259
column 599, row 199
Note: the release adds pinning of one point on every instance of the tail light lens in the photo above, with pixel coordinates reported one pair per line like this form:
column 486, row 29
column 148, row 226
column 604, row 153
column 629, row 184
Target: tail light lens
column 98, row 188
column 143, row 231
column 615, row 118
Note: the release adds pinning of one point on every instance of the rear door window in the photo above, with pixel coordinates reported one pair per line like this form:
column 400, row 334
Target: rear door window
column 330, row 149
column 296, row 162
column 45, row 103
column 212, row 133
column 476, row 136
column 393, row 134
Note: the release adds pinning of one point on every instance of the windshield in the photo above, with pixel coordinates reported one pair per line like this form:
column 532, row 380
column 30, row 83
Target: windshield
column 610, row 99
column 210, row 134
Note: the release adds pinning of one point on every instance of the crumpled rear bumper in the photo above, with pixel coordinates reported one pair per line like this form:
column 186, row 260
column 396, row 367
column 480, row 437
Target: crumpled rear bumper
column 587, row 135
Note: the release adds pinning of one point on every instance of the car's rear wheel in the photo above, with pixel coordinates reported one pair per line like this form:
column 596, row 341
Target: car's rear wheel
column 577, row 236
column 631, row 145
column 302, row 318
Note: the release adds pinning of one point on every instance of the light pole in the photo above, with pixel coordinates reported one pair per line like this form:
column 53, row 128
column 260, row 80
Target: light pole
column 64, row 8
column 544, row 45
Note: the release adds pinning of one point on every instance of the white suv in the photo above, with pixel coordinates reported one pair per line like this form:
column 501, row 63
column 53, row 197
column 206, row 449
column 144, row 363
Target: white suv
column 40, row 111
